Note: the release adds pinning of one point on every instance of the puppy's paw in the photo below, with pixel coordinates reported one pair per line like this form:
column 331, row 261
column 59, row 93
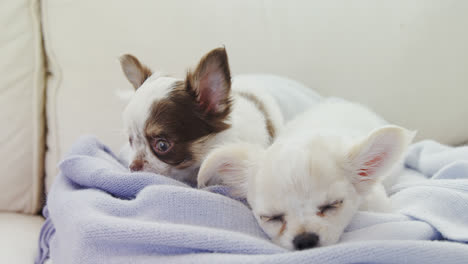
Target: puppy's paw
column 229, row 165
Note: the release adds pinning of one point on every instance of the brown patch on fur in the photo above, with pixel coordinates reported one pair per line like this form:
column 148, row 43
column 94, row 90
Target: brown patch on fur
column 283, row 227
column 320, row 214
column 180, row 119
column 135, row 71
column 261, row 107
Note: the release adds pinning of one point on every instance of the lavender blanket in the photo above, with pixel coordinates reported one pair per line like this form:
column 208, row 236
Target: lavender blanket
column 98, row 212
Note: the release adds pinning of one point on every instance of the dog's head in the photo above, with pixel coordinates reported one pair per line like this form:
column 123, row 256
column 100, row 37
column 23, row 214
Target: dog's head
column 168, row 120
column 304, row 193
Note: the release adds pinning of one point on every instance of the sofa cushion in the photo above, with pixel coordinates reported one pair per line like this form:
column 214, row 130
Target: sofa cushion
column 19, row 237
column 406, row 60
column 22, row 101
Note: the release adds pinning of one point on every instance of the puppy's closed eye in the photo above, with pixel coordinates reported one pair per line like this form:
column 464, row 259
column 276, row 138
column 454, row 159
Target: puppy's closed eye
column 328, row 207
column 274, row 218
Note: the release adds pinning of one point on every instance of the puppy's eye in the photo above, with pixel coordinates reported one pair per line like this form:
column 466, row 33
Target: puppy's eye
column 327, row 207
column 161, row 146
column 130, row 140
column 273, row 218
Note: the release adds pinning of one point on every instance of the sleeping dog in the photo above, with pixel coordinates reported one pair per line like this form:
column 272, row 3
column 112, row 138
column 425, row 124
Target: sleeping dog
column 305, row 188
column 173, row 123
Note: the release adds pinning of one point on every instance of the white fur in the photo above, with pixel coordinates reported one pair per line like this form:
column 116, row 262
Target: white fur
column 135, row 115
column 317, row 160
column 247, row 124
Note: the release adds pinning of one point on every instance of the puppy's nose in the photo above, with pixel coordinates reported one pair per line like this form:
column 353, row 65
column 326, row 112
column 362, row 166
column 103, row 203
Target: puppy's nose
column 137, row 165
column 305, row 240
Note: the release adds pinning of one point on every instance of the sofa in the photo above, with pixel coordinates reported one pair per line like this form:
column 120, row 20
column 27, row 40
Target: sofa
column 60, row 75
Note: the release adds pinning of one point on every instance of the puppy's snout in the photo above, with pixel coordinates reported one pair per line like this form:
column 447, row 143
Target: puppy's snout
column 137, row 165
column 305, row 241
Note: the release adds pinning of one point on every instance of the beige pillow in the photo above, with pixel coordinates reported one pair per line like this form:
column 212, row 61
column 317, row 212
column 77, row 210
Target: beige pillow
column 407, row 60
column 22, row 101
column 20, row 236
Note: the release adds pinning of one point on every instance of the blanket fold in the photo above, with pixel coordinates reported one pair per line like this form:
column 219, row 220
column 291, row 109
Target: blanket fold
column 99, row 212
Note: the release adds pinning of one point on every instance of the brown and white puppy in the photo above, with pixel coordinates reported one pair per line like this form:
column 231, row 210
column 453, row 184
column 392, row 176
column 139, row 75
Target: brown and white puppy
column 172, row 123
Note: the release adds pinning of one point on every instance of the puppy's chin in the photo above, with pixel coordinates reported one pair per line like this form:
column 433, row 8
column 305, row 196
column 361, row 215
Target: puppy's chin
column 184, row 175
column 328, row 241
column 284, row 243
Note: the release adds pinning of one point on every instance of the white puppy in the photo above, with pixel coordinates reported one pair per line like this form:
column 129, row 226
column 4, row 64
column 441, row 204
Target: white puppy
column 305, row 188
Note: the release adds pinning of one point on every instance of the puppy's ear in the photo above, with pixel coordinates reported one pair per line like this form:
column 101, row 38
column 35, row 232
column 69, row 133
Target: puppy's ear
column 374, row 156
column 229, row 165
column 135, row 72
column 210, row 82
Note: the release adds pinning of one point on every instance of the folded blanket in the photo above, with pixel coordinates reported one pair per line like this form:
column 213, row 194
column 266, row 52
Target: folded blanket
column 98, row 212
